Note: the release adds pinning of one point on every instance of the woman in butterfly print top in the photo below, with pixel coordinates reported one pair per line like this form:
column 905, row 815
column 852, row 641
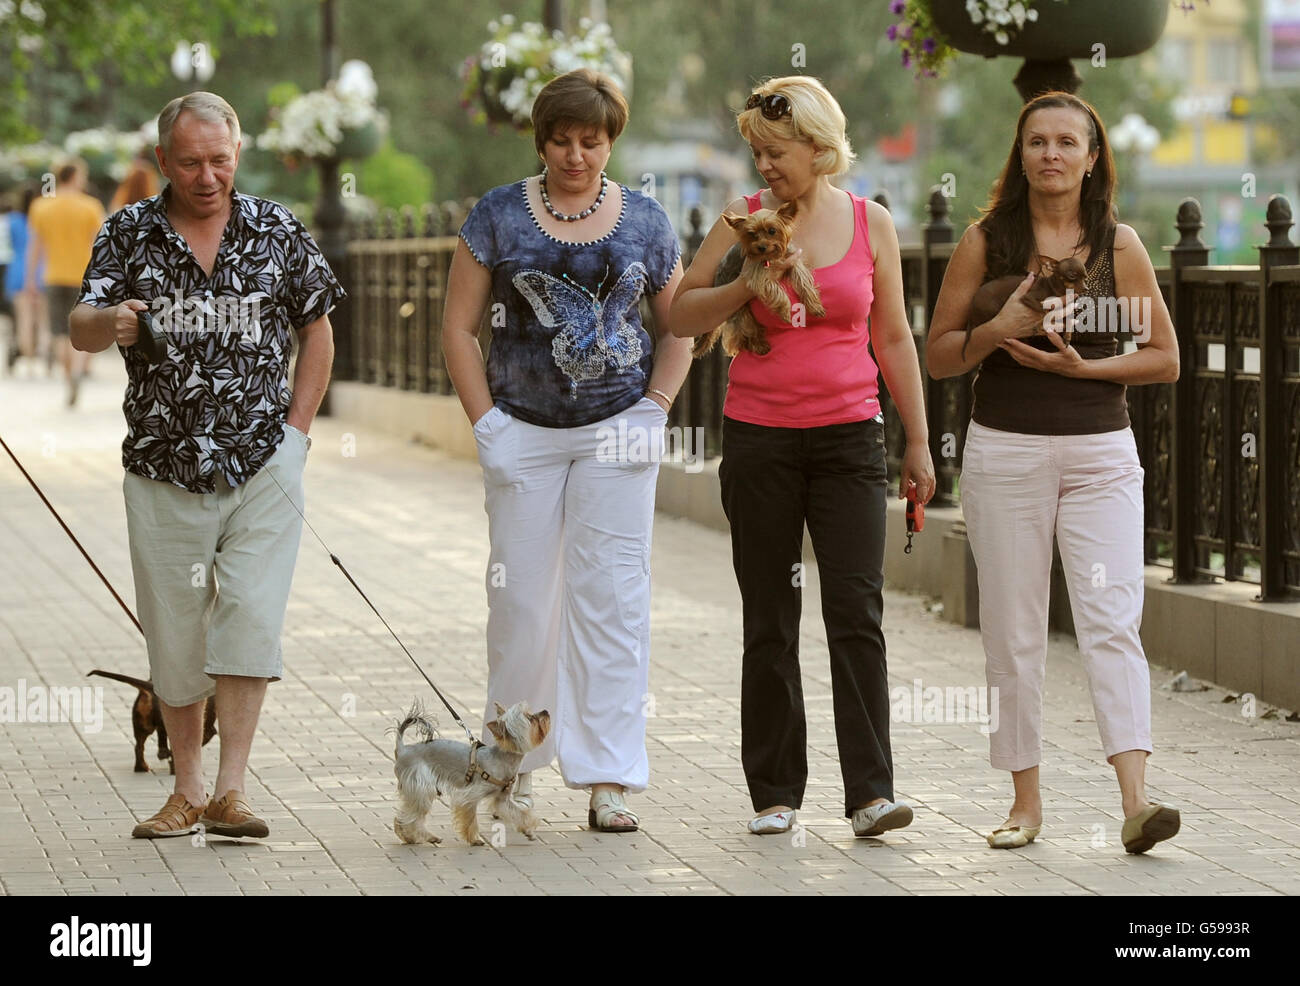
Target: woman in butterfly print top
column 565, row 257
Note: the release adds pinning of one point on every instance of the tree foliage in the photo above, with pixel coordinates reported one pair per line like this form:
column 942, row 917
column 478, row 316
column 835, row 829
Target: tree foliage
column 130, row 40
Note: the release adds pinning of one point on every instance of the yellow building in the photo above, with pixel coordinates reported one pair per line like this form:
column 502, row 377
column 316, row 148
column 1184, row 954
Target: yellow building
column 1212, row 52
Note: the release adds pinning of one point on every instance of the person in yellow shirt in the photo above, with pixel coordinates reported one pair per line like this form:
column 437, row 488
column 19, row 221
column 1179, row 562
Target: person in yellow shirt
column 62, row 228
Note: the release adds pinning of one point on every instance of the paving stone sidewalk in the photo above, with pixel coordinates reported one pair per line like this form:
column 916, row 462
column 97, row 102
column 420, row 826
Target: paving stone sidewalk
column 409, row 524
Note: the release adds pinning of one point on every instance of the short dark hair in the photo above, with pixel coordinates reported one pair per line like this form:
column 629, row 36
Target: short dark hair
column 70, row 170
column 583, row 97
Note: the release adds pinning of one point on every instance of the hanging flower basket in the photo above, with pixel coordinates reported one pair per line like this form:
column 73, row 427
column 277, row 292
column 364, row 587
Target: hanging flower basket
column 360, row 142
column 504, row 77
column 930, row 33
column 338, row 121
column 1061, row 29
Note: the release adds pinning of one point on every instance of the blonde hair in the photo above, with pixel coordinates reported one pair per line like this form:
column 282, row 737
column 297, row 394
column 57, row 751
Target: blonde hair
column 815, row 116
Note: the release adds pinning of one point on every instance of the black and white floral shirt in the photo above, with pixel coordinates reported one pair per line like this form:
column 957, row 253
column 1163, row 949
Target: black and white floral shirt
column 217, row 404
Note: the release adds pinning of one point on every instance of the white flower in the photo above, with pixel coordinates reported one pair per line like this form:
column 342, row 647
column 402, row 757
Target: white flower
column 1002, row 37
column 312, row 125
column 1031, row 14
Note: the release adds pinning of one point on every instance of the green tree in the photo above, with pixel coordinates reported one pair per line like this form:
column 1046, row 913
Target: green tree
column 131, row 40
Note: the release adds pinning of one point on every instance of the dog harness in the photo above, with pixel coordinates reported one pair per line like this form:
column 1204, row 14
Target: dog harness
column 474, row 769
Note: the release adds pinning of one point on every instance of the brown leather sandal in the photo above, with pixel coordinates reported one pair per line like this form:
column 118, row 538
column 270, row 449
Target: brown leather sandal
column 230, row 815
column 176, row 817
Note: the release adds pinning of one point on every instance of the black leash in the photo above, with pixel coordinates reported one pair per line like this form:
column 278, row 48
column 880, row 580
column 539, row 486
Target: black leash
column 125, row 608
column 333, row 557
column 348, row 575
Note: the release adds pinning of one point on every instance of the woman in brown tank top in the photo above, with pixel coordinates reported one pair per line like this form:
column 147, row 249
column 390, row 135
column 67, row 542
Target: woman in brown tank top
column 1049, row 451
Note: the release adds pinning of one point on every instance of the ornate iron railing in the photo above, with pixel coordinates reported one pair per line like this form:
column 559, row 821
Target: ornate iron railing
column 1220, row 447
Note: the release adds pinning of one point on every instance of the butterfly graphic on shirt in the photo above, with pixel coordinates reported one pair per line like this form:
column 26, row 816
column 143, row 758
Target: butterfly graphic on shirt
column 594, row 335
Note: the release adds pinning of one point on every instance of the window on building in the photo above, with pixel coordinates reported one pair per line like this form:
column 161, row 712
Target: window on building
column 1223, row 59
column 1176, row 57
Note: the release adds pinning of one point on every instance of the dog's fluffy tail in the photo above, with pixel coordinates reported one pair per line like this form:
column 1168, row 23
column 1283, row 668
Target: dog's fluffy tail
column 421, row 720
column 144, row 686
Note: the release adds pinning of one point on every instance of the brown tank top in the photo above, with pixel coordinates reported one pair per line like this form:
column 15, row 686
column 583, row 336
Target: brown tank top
column 1011, row 397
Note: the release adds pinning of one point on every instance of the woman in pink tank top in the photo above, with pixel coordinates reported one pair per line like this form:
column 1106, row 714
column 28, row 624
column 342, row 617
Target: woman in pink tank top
column 803, row 442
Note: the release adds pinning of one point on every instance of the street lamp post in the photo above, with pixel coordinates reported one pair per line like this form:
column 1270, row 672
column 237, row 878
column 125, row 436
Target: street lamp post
column 193, row 63
column 329, row 218
column 1135, row 139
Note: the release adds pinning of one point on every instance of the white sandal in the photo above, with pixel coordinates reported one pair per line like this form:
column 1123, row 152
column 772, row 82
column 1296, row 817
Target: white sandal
column 607, row 806
column 773, row 823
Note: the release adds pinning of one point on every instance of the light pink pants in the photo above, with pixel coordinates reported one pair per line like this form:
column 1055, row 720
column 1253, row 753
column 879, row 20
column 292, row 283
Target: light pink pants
column 1016, row 491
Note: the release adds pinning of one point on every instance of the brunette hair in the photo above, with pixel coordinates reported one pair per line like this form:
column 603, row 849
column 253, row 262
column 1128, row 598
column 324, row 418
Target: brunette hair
column 1006, row 221
column 583, row 97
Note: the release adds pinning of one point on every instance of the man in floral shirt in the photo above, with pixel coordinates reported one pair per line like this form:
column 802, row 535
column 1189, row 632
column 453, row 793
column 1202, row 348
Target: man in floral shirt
column 216, row 439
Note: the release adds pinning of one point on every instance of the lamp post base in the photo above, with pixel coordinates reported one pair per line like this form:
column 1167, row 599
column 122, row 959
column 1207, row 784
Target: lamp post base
column 1037, row 76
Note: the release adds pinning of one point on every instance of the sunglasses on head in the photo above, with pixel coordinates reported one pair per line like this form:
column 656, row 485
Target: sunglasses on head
column 774, row 106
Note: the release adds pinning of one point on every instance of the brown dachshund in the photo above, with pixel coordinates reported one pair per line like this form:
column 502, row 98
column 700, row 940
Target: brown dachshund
column 1055, row 278
column 146, row 718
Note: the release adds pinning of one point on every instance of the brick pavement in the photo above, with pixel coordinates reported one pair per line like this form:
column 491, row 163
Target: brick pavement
column 409, row 523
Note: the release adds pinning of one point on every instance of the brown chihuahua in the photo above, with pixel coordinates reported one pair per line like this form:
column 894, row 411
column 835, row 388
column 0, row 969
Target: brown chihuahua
column 146, row 718
column 1055, row 278
column 763, row 236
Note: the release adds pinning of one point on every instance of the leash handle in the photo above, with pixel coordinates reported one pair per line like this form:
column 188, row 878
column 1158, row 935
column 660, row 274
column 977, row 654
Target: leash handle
column 915, row 516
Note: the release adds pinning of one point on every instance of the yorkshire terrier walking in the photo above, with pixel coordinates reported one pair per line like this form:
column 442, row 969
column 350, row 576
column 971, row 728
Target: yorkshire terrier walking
column 463, row 776
column 763, row 236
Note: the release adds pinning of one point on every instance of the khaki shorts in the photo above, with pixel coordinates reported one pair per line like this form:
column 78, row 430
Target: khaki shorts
column 212, row 572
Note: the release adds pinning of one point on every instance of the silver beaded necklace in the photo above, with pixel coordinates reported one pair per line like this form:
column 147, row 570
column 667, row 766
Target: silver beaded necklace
column 546, row 200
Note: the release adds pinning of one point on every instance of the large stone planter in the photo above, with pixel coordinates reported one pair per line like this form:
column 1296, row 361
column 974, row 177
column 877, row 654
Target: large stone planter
column 1062, row 31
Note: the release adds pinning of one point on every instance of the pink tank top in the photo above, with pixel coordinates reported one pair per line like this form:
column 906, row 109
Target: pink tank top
column 820, row 373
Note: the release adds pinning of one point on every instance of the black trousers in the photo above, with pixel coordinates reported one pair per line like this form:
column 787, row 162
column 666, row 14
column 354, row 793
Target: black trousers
column 834, row 479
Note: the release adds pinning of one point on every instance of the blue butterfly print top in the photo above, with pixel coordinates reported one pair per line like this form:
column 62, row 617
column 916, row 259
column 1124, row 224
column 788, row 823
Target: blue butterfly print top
column 568, row 347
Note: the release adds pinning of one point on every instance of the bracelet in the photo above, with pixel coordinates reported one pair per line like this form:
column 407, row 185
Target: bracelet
column 652, row 390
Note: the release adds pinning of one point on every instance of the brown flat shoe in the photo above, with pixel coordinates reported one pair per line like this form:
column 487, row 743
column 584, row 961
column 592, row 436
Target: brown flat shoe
column 176, row 817
column 1154, row 823
column 230, row 815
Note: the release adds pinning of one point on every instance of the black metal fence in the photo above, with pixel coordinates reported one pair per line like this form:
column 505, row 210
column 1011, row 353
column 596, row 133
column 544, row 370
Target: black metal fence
column 1220, row 447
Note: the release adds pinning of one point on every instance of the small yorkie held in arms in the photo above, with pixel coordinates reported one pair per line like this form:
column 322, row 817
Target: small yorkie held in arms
column 763, row 236
column 1055, row 278
column 463, row 776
